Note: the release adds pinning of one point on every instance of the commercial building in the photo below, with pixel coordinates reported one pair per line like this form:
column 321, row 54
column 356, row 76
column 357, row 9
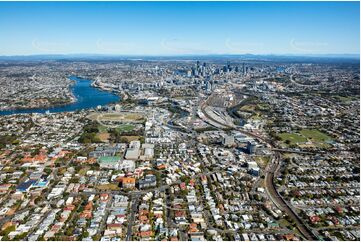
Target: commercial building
column 251, row 147
column 228, row 140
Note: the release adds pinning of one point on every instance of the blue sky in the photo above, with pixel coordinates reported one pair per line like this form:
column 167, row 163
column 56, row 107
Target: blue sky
column 178, row 28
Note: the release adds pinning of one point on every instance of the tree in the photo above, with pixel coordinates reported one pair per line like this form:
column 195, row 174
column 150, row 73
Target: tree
column 96, row 237
column 69, row 231
column 123, row 139
column 6, row 231
column 21, row 236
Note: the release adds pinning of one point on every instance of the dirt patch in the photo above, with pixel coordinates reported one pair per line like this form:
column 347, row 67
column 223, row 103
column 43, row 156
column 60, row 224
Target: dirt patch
column 112, row 187
column 104, row 137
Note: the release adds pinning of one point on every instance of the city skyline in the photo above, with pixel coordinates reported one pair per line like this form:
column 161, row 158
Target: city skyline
column 179, row 121
column 179, row 28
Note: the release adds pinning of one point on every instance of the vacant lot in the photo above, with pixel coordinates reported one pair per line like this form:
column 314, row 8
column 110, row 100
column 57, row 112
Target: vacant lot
column 111, row 187
column 104, row 136
column 262, row 161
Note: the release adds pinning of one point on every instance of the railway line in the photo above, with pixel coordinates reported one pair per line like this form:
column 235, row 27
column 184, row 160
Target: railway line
column 306, row 232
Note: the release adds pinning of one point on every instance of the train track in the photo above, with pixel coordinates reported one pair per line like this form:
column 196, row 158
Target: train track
column 271, row 187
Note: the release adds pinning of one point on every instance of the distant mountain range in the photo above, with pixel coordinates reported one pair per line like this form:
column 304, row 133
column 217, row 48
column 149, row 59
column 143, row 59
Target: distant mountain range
column 246, row 57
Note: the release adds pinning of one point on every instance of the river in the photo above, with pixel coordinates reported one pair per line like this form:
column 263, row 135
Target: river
column 86, row 95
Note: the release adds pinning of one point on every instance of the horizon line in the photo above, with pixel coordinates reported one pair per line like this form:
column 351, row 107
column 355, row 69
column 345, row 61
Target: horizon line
column 188, row 54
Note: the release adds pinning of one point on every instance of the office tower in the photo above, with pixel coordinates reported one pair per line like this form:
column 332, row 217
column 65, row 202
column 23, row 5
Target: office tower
column 251, row 147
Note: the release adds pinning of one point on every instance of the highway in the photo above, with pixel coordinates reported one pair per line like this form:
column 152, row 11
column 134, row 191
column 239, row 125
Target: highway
column 301, row 85
column 269, row 182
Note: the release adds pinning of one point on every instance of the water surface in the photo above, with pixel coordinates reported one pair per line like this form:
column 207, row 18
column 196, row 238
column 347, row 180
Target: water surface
column 86, row 95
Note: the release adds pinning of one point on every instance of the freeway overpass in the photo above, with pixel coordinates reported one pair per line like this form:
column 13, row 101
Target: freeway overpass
column 273, row 166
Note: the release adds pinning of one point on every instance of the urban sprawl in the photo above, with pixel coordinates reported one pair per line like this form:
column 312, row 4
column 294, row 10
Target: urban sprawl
column 217, row 149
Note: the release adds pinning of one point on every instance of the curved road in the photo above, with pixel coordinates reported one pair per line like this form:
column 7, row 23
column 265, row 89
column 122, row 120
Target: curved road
column 270, row 186
column 281, row 203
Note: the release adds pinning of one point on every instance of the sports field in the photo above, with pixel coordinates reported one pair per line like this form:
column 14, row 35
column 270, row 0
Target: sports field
column 117, row 117
column 313, row 136
column 292, row 137
column 125, row 128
